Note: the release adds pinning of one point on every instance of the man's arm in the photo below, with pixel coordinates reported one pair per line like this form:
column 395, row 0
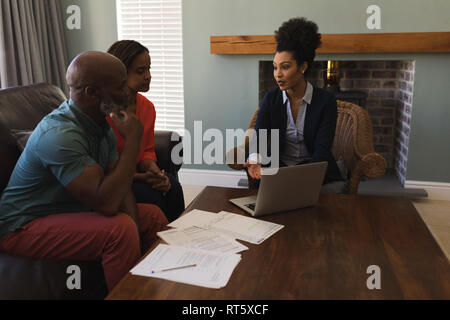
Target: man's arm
column 128, row 204
column 105, row 193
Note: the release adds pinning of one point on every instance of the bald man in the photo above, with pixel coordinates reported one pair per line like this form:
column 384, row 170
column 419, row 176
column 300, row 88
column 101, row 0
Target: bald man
column 69, row 196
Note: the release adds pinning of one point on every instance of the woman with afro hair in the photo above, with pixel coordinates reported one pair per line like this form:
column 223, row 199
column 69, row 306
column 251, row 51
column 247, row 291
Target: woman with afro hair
column 304, row 115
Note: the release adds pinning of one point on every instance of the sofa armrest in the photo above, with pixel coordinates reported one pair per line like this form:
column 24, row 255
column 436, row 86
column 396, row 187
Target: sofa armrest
column 164, row 144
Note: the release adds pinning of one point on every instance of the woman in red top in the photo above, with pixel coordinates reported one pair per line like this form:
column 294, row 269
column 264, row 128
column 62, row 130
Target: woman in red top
column 151, row 185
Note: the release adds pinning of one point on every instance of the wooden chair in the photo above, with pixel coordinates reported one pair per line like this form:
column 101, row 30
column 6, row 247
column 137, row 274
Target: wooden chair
column 353, row 143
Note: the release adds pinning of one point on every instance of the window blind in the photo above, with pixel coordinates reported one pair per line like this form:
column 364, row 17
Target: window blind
column 157, row 24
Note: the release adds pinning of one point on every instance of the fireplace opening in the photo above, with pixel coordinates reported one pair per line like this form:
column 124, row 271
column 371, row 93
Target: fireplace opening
column 383, row 88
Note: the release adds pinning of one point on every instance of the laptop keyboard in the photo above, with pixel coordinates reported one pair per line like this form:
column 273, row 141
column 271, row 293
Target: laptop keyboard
column 251, row 206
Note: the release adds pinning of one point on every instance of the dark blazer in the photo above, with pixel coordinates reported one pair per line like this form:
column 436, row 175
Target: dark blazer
column 320, row 126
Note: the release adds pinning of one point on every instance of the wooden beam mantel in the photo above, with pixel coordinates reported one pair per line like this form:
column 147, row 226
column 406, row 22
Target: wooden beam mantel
column 340, row 43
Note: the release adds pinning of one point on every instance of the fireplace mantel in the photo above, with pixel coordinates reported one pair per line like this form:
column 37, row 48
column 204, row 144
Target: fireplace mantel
column 340, row 43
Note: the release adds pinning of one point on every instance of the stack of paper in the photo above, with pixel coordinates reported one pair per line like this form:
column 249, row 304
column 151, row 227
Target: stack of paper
column 192, row 266
column 195, row 237
column 244, row 228
column 203, row 249
column 229, row 224
column 195, row 217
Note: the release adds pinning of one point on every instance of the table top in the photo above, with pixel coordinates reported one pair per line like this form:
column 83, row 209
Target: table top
column 323, row 252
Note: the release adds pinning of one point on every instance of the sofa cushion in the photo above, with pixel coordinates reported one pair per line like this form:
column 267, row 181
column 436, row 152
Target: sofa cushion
column 21, row 137
column 9, row 153
column 22, row 108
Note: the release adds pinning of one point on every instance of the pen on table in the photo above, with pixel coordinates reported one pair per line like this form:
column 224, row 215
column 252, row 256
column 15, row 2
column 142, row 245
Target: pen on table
column 175, row 268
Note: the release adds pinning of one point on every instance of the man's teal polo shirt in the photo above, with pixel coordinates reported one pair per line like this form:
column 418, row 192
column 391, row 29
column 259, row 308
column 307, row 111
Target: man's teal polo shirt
column 63, row 144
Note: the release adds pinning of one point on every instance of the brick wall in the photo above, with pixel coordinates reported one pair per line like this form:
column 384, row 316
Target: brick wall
column 389, row 86
column 403, row 118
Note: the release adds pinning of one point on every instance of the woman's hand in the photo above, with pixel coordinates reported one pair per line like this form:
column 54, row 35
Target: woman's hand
column 152, row 175
column 157, row 179
column 254, row 169
column 163, row 184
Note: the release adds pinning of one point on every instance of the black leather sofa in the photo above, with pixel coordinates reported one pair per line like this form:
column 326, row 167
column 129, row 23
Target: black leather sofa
column 22, row 108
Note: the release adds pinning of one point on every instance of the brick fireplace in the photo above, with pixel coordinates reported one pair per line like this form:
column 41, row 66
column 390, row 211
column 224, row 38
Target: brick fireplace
column 389, row 87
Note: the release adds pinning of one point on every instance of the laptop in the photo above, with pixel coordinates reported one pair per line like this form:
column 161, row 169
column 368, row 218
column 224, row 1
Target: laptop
column 292, row 187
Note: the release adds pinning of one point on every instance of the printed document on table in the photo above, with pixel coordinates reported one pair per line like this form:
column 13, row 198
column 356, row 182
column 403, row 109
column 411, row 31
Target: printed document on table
column 231, row 224
column 244, row 228
column 195, row 237
column 212, row 270
column 195, row 217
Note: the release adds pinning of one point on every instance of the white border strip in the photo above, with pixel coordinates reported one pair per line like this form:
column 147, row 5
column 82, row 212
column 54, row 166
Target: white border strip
column 196, row 177
column 435, row 190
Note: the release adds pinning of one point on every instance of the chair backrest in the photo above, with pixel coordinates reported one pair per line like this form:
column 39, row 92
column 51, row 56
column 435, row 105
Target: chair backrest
column 353, row 137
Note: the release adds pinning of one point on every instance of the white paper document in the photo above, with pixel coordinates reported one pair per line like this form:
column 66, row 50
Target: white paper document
column 244, row 228
column 195, row 237
column 230, row 224
column 211, row 270
column 195, row 217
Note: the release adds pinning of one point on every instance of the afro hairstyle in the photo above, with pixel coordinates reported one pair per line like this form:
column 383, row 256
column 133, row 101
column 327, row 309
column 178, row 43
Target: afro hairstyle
column 301, row 37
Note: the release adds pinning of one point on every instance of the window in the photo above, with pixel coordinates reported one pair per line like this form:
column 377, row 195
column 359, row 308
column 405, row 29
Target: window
column 157, row 25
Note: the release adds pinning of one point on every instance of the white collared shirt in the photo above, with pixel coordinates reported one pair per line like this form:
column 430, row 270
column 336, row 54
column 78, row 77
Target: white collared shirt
column 295, row 149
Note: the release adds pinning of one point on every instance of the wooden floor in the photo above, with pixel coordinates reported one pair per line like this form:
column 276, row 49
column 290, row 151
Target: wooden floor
column 435, row 213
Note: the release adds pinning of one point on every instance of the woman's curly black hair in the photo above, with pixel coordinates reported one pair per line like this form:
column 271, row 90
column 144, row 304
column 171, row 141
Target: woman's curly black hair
column 301, row 37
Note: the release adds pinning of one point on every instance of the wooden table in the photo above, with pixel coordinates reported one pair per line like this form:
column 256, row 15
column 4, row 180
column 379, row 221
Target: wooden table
column 322, row 253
